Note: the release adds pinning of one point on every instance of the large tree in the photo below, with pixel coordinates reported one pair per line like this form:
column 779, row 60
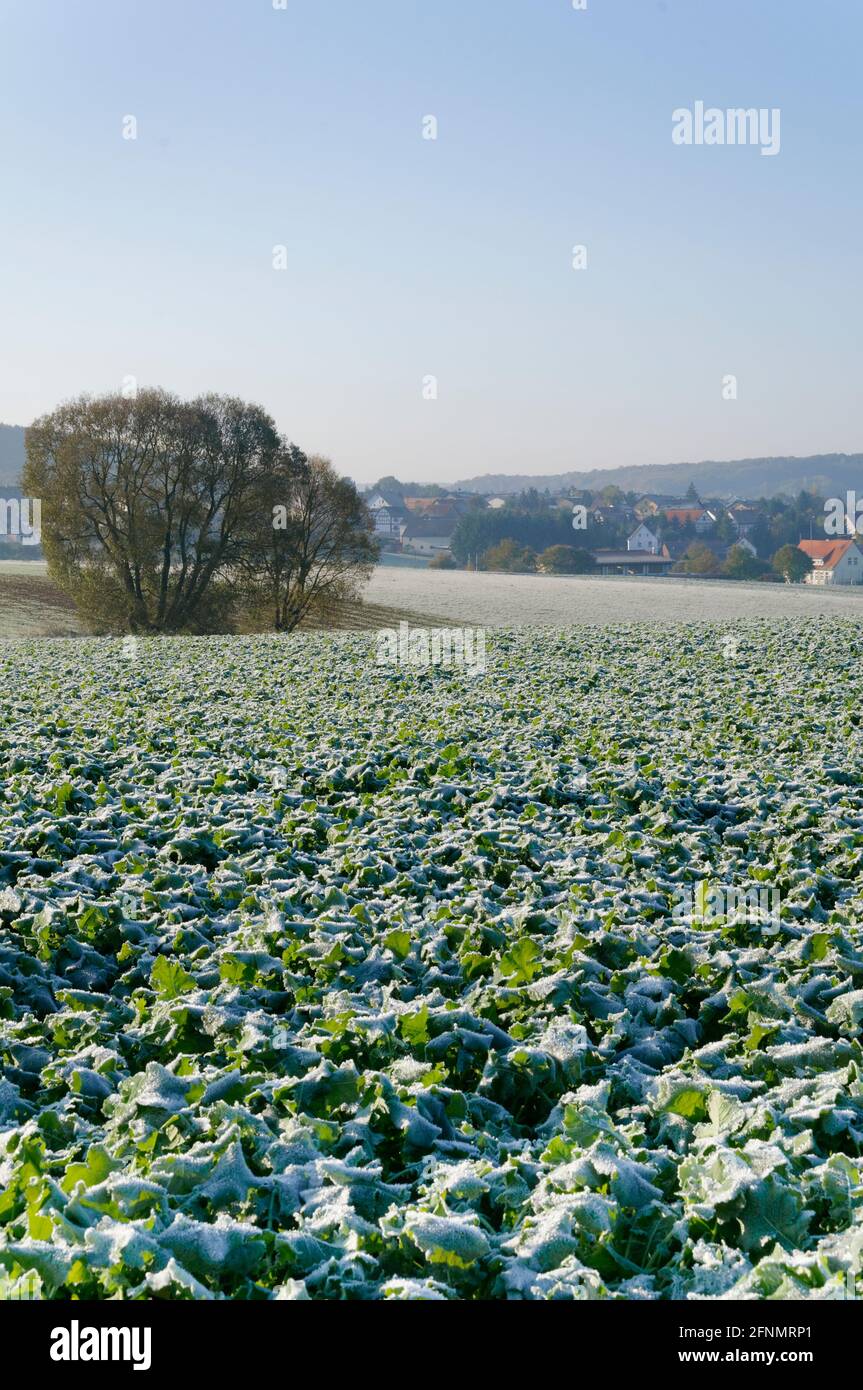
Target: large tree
column 146, row 502
column 161, row 515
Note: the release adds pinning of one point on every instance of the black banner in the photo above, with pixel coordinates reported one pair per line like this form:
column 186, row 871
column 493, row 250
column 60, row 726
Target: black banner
column 155, row 1337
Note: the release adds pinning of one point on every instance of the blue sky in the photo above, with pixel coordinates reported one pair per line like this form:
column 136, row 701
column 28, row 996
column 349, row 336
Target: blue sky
column 407, row 257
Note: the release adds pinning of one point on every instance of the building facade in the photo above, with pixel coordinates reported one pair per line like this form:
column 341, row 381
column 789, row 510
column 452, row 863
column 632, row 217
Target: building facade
column 834, row 562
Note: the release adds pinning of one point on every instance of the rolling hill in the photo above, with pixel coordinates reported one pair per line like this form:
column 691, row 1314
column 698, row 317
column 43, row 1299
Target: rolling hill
column 829, row 475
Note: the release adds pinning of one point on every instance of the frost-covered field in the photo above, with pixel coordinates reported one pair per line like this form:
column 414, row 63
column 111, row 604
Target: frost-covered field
column 325, row 979
column 401, row 589
column 30, row 606
column 507, row 600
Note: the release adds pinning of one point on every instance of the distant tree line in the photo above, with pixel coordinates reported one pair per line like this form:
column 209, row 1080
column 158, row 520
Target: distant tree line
column 478, row 532
column 534, row 523
column 164, row 515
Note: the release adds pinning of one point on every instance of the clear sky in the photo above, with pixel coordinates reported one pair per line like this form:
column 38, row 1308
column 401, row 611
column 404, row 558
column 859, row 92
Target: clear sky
column 407, row 258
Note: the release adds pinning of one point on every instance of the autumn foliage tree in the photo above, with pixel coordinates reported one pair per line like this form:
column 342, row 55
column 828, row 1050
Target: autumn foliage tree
column 157, row 513
column 792, row 563
column 699, row 559
column 565, row 559
column 510, row 557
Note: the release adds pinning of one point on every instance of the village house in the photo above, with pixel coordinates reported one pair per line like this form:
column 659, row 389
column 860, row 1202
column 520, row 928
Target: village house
column 834, row 562
column 745, row 517
column 643, row 539
column 383, row 499
column 427, row 535
column 388, row 520
column 387, row 512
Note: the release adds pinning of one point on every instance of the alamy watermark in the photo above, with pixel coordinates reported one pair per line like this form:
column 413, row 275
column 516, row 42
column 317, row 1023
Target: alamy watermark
column 705, row 904
column 21, row 517
column 844, row 516
column 437, row 646
column 77, row 1343
column 737, row 125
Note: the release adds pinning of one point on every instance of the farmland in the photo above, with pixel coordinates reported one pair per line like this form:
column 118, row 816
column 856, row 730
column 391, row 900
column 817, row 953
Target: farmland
column 320, row 979
column 31, row 605
column 504, row 600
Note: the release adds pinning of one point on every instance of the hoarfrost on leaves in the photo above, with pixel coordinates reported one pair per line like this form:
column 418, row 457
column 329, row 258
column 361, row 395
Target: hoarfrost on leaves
column 416, row 1018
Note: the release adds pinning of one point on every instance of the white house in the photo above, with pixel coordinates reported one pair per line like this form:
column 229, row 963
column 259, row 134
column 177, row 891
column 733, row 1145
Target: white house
column 428, row 535
column 643, row 539
column 834, row 562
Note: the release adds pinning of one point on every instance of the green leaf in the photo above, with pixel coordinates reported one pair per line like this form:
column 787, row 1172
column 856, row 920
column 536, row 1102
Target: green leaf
column 169, row 979
column 687, row 1101
column 520, row 962
column 399, row 942
column 414, row 1027
column 771, row 1212
column 95, row 1168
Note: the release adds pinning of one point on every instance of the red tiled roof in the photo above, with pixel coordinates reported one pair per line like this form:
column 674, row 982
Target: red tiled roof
column 828, row 552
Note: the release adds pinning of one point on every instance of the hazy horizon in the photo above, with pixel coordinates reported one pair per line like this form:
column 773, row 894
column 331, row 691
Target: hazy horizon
column 256, row 128
column 542, row 478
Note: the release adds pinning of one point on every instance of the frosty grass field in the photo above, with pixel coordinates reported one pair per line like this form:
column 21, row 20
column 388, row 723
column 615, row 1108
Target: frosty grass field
column 322, row 979
column 30, row 606
column 505, row 600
